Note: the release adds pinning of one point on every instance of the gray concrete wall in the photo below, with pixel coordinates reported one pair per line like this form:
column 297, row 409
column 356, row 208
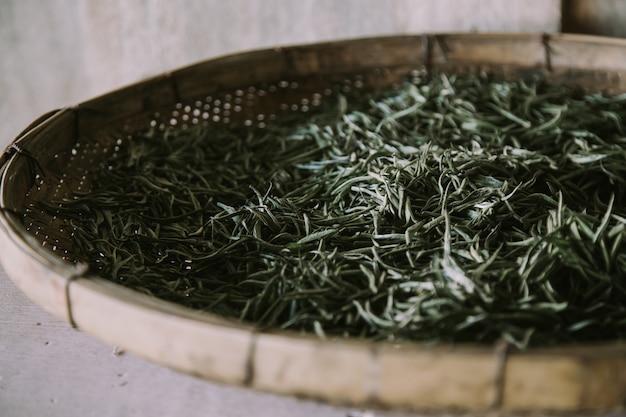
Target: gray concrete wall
column 55, row 53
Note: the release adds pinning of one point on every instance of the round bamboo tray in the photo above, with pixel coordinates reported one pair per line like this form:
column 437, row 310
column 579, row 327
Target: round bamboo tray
column 53, row 157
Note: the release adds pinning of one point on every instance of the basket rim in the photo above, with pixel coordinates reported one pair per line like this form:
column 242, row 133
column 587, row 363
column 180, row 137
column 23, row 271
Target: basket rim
column 75, row 289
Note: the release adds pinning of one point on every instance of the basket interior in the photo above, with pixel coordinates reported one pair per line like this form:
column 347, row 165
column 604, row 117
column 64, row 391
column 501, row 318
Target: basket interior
column 57, row 157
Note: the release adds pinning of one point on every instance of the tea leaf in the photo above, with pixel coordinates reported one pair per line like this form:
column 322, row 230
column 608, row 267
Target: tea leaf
column 456, row 208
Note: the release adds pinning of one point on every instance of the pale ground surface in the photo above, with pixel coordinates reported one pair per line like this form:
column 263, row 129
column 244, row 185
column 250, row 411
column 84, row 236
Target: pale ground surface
column 48, row 369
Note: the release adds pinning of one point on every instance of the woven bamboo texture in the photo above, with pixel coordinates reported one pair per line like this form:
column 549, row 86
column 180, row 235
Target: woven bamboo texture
column 52, row 158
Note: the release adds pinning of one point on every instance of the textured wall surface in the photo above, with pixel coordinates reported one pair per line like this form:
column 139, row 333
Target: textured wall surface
column 59, row 52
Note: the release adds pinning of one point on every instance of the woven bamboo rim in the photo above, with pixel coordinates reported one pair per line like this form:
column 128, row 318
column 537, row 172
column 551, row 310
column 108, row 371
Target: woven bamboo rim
column 265, row 84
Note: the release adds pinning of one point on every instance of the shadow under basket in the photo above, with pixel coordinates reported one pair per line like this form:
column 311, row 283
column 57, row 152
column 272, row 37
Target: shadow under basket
column 53, row 157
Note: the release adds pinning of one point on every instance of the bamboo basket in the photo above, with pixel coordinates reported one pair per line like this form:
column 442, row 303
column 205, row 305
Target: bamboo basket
column 53, row 157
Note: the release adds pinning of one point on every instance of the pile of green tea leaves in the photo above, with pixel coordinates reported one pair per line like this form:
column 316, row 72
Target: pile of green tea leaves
column 454, row 209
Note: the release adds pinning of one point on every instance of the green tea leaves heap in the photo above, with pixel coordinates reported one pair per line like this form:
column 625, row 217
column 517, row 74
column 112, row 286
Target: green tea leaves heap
column 461, row 208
